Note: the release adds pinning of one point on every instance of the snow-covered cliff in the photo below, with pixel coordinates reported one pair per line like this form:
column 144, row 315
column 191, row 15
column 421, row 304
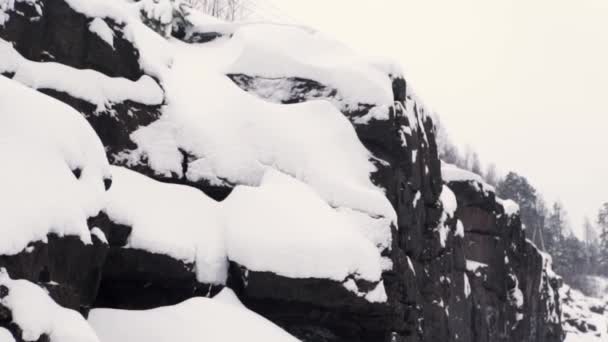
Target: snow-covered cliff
column 266, row 183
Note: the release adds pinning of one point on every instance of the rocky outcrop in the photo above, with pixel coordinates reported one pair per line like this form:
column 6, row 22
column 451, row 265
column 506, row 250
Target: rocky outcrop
column 514, row 294
column 65, row 266
column 461, row 267
column 52, row 31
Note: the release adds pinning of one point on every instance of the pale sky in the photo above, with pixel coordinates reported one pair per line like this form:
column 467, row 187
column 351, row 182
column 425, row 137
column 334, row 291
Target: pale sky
column 522, row 81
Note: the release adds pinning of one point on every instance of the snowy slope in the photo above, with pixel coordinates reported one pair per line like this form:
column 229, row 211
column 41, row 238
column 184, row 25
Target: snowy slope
column 195, row 320
column 5, row 336
column 585, row 318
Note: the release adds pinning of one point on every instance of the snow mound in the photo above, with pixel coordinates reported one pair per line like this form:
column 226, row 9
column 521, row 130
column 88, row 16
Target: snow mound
column 236, row 136
column 175, row 220
column 452, row 173
column 511, row 207
column 5, row 336
column 195, row 320
column 89, row 85
column 37, row 314
column 300, row 238
column 297, row 52
column 257, row 227
column 227, row 296
column 60, row 172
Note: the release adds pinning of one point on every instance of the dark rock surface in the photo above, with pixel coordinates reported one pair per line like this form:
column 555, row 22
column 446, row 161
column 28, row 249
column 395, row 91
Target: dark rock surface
column 514, row 298
column 50, row 30
column 68, row 268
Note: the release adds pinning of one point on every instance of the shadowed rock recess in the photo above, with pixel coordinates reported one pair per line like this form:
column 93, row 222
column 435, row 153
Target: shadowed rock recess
column 462, row 269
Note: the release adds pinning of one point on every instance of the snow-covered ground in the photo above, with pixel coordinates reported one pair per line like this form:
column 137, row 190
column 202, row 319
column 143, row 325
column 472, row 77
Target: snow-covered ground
column 220, row 319
column 585, row 318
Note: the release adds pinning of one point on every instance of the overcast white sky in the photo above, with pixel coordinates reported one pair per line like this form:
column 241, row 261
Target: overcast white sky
column 522, row 81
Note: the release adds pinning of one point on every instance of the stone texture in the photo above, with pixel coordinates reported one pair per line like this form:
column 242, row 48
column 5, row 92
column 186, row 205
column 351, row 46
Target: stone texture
column 514, row 266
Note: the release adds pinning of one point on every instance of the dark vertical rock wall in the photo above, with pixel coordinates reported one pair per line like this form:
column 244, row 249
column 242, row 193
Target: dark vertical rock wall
column 514, row 298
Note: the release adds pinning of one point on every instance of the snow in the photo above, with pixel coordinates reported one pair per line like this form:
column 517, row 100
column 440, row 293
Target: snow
column 89, row 85
column 467, row 286
column 174, row 220
column 475, row 267
column 5, row 335
column 99, row 8
column 298, row 52
column 335, row 223
column 452, row 173
column 576, row 306
column 573, row 337
column 511, row 208
column 300, row 238
column 99, row 27
column 518, row 297
column 227, row 296
column 36, row 169
column 48, row 318
column 195, row 320
column 459, row 229
column 597, row 286
column 449, row 201
column 99, row 234
column 5, row 6
column 377, row 295
column 236, row 137
column 9, row 5
column 417, row 197
column 411, row 265
column 161, row 11
column 256, row 227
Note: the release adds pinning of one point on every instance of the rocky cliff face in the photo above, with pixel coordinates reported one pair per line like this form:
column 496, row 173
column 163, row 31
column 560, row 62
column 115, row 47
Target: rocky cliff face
column 455, row 262
column 514, row 294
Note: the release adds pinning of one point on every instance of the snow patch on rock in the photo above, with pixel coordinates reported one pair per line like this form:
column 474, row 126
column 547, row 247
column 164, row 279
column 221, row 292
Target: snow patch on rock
column 174, row 220
column 37, row 314
column 99, row 27
column 89, row 85
column 5, row 336
column 452, row 173
column 300, row 238
column 37, row 169
column 296, row 52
